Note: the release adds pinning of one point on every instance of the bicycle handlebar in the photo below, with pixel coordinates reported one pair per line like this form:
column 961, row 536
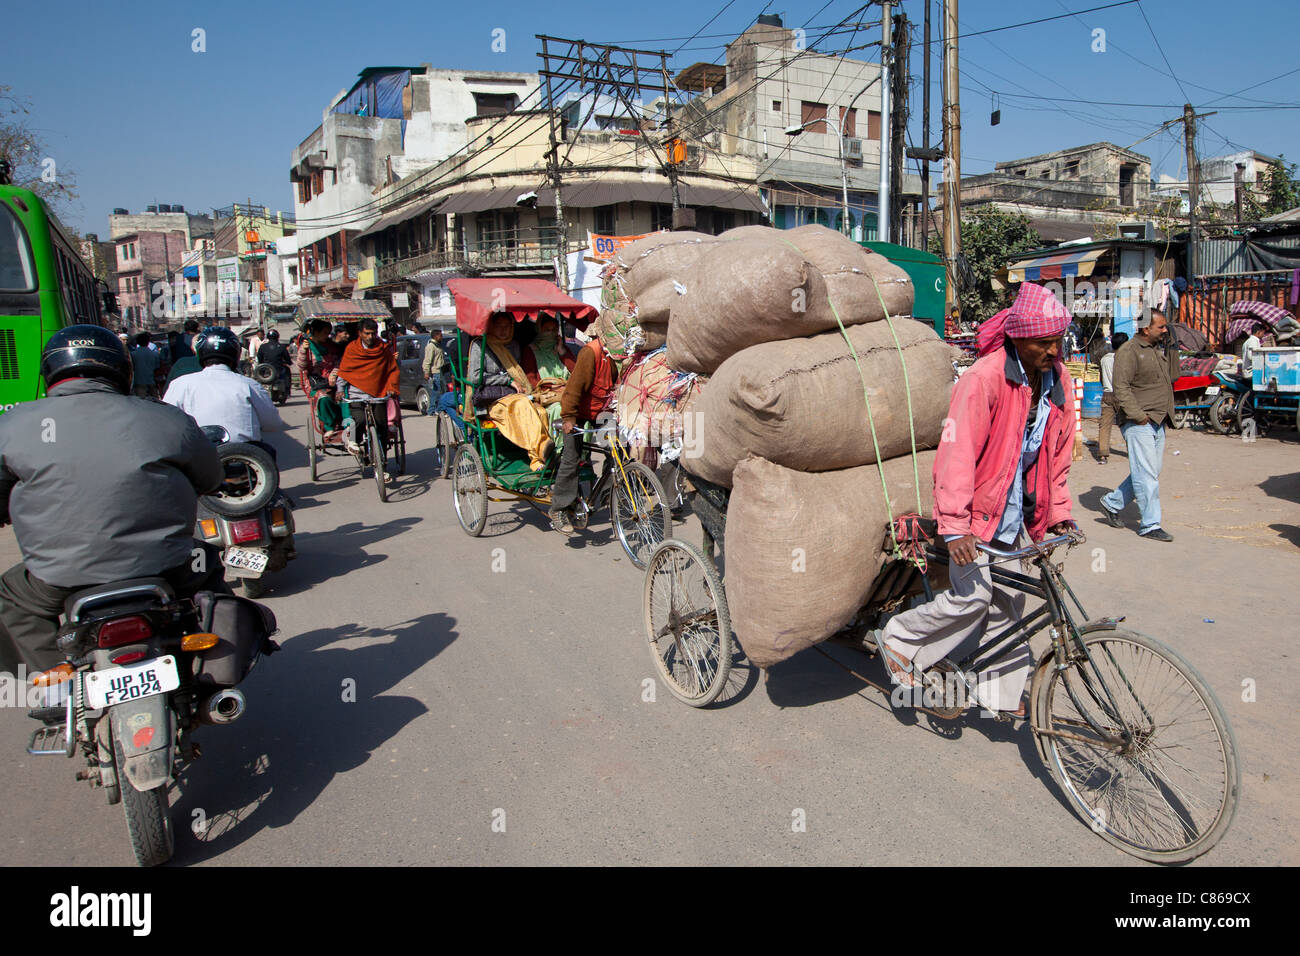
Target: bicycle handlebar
column 1034, row 548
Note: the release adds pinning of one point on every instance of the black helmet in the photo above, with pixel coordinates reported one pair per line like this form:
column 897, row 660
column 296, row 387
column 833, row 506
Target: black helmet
column 216, row 344
column 86, row 351
column 273, row 335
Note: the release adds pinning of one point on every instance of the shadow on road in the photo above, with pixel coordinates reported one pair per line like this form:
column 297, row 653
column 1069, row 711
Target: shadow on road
column 316, row 710
column 1286, row 487
column 323, row 555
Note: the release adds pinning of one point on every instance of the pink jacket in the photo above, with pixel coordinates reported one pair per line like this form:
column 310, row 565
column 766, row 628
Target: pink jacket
column 980, row 451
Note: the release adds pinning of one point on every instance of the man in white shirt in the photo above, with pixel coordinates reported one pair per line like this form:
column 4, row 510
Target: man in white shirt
column 218, row 395
column 1108, row 397
column 1248, row 351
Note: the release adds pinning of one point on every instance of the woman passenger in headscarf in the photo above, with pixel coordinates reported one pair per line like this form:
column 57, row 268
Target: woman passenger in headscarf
column 502, row 387
column 547, row 362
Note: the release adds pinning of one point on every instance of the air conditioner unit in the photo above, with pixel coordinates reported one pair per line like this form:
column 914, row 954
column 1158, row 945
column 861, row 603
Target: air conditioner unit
column 852, row 148
column 1138, row 230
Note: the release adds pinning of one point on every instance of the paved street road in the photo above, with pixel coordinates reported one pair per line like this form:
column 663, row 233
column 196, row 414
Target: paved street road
column 501, row 679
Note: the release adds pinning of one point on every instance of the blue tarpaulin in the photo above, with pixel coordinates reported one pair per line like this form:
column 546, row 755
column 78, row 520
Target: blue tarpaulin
column 377, row 93
column 191, row 272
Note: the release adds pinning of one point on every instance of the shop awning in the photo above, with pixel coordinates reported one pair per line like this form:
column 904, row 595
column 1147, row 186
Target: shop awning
column 1059, row 265
column 191, row 272
column 401, row 215
column 582, row 195
column 478, row 299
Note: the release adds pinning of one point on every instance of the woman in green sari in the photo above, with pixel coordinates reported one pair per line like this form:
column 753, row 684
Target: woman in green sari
column 547, row 363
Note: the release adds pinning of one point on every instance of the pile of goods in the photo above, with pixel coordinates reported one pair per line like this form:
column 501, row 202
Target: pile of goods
column 790, row 329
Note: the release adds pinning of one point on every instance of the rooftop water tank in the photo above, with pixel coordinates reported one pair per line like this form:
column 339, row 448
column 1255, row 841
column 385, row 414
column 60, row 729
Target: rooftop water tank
column 151, row 209
column 119, row 211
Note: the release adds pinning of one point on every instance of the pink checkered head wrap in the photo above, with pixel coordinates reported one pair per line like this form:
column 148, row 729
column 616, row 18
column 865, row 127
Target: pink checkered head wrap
column 1036, row 314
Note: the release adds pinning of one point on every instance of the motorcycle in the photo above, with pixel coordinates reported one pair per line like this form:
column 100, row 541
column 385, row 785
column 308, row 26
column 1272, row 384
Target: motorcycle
column 275, row 380
column 144, row 668
column 251, row 520
column 1224, row 399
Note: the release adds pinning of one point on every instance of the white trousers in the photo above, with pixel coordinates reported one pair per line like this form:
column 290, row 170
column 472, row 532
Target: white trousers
column 960, row 619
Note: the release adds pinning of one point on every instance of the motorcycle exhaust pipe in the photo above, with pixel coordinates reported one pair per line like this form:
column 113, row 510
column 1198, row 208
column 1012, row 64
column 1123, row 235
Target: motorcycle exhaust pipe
column 223, row 707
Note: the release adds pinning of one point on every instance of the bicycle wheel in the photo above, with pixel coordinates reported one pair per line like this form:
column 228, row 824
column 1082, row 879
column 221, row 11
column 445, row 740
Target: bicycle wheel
column 399, row 448
column 469, row 490
column 687, row 624
column 312, row 455
column 378, row 460
column 640, row 513
column 1162, row 780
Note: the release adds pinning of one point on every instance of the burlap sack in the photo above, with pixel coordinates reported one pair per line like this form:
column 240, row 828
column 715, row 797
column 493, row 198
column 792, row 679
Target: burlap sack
column 651, row 397
column 799, row 403
column 649, row 268
column 803, row 550
column 849, row 271
column 740, row 293
column 652, row 337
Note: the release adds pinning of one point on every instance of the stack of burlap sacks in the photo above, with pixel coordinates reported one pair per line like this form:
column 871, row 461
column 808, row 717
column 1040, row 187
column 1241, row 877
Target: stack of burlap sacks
column 783, row 421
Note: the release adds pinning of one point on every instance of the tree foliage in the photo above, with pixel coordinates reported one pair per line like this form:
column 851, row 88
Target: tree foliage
column 31, row 165
column 1276, row 191
column 990, row 239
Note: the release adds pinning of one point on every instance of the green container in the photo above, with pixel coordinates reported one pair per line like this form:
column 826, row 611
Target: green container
column 929, row 279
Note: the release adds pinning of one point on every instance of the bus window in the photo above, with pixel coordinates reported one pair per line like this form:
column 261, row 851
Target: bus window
column 16, row 272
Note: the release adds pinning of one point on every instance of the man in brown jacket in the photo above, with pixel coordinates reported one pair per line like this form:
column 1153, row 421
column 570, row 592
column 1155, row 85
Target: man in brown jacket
column 587, row 392
column 1144, row 401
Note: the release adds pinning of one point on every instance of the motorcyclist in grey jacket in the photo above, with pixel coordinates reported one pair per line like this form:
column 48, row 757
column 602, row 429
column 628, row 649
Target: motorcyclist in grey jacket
column 100, row 487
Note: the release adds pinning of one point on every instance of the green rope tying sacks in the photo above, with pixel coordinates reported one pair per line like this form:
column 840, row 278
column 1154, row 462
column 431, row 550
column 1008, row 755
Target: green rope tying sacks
column 898, row 552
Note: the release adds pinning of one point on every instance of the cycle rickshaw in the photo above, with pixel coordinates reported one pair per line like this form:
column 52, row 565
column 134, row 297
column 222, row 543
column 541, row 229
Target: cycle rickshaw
column 382, row 444
column 487, row 467
column 1129, row 730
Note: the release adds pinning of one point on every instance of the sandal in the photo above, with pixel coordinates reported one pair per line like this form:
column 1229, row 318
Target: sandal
column 900, row 671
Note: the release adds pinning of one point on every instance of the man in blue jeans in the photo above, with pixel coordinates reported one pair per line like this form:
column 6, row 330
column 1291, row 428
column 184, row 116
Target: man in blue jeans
column 1143, row 392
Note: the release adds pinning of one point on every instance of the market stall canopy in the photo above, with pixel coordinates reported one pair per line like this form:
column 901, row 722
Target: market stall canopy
column 340, row 310
column 1055, row 265
column 478, row 299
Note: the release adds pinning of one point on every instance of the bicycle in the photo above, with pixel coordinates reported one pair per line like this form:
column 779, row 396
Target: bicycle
column 1128, row 729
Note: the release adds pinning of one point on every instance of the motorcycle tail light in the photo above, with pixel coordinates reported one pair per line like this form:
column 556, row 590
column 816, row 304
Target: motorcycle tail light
column 130, row 657
column 199, row 642
column 125, row 630
column 208, row 528
column 279, row 521
column 250, row 529
column 55, row 675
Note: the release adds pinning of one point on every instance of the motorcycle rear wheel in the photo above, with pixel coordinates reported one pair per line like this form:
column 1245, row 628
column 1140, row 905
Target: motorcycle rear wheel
column 148, row 818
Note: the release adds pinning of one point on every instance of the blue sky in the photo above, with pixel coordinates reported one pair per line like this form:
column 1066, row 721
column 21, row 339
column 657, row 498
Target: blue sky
column 119, row 95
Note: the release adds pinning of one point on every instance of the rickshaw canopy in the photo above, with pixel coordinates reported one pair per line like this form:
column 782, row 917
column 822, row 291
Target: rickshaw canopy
column 478, row 299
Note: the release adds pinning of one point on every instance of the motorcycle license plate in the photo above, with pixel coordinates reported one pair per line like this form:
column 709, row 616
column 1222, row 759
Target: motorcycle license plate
column 1212, row 390
column 117, row 685
column 246, row 559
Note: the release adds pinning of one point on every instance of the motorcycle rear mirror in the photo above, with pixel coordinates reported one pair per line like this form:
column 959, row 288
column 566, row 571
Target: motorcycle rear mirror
column 216, row 434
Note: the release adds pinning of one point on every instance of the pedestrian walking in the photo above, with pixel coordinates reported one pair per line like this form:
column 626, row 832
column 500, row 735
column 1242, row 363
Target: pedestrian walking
column 1108, row 396
column 433, row 366
column 146, row 362
column 1144, row 400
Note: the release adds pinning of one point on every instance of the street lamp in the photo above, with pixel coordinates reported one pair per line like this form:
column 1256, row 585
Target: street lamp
column 844, row 169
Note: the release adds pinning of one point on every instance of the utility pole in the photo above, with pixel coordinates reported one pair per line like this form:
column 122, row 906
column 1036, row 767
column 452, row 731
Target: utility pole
column 1190, row 116
column 1237, row 184
column 1193, row 188
column 925, row 137
column 898, row 121
column 554, row 157
column 952, row 151
column 883, row 203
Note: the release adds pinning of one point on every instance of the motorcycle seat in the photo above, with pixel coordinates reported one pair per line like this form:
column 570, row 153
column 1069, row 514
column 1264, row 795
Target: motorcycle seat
column 79, row 604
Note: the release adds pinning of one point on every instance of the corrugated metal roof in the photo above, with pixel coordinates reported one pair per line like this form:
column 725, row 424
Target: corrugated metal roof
column 1218, row 256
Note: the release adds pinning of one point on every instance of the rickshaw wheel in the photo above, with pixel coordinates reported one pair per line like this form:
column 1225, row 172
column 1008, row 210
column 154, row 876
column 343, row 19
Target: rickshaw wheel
column 1249, row 420
column 1161, row 780
column 640, row 512
column 688, row 628
column 1222, row 414
column 378, row 460
column 399, row 446
column 312, row 453
column 469, row 490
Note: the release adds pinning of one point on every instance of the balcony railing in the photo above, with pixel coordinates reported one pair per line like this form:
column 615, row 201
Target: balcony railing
column 324, row 276
column 491, row 254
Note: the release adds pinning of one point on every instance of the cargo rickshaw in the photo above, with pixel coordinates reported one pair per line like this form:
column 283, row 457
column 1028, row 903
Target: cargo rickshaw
column 1133, row 735
column 487, row 467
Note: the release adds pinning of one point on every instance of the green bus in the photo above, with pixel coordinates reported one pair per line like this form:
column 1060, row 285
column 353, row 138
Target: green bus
column 44, row 286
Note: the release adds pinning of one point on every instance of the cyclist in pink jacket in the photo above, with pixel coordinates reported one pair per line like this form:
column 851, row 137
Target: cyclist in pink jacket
column 1002, row 464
